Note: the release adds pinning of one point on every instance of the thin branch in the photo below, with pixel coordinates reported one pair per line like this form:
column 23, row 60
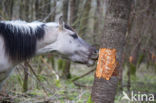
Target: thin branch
column 83, row 75
column 45, row 89
column 82, row 85
column 49, row 67
column 48, row 16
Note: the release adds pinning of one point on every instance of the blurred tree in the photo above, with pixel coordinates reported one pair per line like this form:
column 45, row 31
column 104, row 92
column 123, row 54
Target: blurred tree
column 8, row 5
column 84, row 17
column 66, row 69
column 42, row 8
column 53, row 6
column 65, row 10
column 6, row 9
column 98, row 23
column 115, row 26
column 73, row 16
column 47, row 10
column 74, row 7
column 51, row 18
column 25, row 15
column 139, row 39
column 37, row 14
column 96, row 20
column 25, row 82
column 24, row 10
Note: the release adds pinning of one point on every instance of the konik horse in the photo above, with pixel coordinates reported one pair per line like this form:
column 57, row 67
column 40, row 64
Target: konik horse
column 20, row 40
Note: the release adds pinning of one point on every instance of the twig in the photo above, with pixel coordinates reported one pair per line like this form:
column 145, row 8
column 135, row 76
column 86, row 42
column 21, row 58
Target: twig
column 27, row 63
column 83, row 75
column 48, row 16
column 82, row 85
column 50, row 67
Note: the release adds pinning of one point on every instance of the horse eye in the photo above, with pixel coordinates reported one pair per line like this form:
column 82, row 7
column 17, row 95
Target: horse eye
column 74, row 36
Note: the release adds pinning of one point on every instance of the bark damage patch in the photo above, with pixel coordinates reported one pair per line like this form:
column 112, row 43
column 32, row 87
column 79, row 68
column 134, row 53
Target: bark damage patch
column 106, row 64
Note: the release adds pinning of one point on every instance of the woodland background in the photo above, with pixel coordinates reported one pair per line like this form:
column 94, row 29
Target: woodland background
column 50, row 79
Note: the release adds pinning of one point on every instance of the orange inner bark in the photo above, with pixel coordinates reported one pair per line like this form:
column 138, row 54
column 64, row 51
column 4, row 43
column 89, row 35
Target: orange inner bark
column 106, row 63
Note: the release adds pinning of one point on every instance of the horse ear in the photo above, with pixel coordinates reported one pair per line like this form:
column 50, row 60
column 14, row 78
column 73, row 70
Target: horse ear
column 61, row 23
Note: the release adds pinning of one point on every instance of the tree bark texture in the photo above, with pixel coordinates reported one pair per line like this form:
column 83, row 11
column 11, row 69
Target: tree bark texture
column 114, row 31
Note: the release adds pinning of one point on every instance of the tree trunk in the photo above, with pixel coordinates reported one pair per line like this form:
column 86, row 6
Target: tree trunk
column 115, row 26
column 25, row 82
column 66, row 68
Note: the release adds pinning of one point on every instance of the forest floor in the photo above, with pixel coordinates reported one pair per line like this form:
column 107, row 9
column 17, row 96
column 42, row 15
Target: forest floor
column 50, row 90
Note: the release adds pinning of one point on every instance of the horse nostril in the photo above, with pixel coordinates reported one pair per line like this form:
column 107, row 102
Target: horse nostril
column 96, row 51
column 94, row 55
column 93, row 50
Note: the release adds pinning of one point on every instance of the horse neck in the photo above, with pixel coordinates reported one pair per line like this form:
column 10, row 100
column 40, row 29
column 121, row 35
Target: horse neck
column 47, row 43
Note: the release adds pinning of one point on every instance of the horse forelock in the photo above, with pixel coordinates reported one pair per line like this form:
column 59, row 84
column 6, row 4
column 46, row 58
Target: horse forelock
column 20, row 38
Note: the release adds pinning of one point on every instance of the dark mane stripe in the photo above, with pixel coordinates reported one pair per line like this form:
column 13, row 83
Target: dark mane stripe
column 20, row 42
column 68, row 27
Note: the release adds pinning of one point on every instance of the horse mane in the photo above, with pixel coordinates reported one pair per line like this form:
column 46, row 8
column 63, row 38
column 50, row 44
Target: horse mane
column 68, row 27
column 20, row 38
